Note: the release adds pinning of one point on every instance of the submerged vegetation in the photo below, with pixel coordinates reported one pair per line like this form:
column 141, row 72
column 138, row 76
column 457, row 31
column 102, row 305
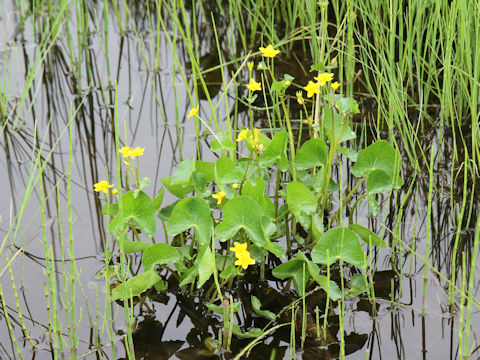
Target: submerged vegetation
column 316, row 191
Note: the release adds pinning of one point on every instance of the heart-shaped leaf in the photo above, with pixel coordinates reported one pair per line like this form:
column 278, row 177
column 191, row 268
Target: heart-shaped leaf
column 178, row 188
column 301, row 203
column 222, row 141
column 227, row 171
column 379, row 156
column 135, row 285
column 257, row 192
column 333, row 119
column 342, row 244
column 159, row 254
column 133, row 246
column 313, row 153
column 256, row 304
column 189, row 213
column 242, row 212
column 140, row 210
column 357, row 286
column 276, row 152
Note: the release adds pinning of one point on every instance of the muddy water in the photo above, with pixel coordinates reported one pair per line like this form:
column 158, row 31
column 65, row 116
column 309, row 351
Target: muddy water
column 151, row 113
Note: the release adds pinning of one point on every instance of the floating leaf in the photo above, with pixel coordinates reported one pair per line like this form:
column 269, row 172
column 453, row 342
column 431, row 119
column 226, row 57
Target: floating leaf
column 358, row 286
column 301, row 203
column 313, row 153
column 135, row 285
column 368, row 236
column 189, row 213
column 159, row 254
column 256, row 304
column 276, row 152
column 342, row 244
column 242, row 212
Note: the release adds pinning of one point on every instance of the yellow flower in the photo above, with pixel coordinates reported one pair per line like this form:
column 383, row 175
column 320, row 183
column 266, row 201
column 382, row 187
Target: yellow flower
column 115, row 191
column 193, row 112
column 242, row 135
column 244, row 259
column 137, row 151
column 335, row 85
column 324, row 78
column 259, row 147
column 219, row 196
column 103, row 185
column 255, row 134
column 311, row 89
column 300, row 98
column 239, row 248
column 254, row 86
column 125, row 151
column 269, row 51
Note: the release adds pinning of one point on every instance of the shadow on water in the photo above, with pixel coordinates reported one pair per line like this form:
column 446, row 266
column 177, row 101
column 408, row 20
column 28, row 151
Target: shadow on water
column 78, row 76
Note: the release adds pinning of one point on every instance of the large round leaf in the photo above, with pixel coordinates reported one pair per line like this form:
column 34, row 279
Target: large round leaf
column 159, row 254
column 242, row 212
column 227, row 171
column 276, row 152
column 189, row 213
column 312, row 153
column 342, row 244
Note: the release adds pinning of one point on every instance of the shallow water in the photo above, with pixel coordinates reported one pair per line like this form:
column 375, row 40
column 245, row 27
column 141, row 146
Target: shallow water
column 146, row 105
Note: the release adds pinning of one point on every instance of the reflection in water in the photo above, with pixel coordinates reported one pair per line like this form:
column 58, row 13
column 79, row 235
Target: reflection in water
column 77, row 80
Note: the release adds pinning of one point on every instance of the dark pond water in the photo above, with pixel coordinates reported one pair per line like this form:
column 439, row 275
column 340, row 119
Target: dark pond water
column 152, row 113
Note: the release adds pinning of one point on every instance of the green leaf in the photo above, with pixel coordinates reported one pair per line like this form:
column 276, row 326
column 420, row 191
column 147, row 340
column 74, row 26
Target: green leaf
column 318, row 67
column 347, row 105
column 342, row 244
column 140, row 210
column 227, row 171
column 368, row 236
column 313, row 153
column 276, row 152
column 200, row 185
column 256, row 304
column 317, row 227
column 379, row 156
column 301, row 203
column 165, row 213
column 135, row 285
column 184, row 170
column 357, row 286
column 293, row 269
column 134, row 246
column 157, row 202
column 110, row 209
column 349, row 153
column 229, row 271
column 237, row 306
column 207, row 169
column 346, row 132
column 159, row 254
column 252, row 333
column 257, row 192
column 206, row 266
column 178, row 188
column 223, row 141
column 242, row 212
column 373, row 205
column 275, row 248
column 189, row 213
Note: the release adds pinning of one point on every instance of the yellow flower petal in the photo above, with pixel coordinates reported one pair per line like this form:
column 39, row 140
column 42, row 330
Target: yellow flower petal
column 219, row 196
column 269, row 51
column 193, row 112
column 239, row 248
column 254, row 86
column 324, row 78
column 102, row 186
column 244, row 259
column 242, row 134
column 311, row 89
column 335, row 85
